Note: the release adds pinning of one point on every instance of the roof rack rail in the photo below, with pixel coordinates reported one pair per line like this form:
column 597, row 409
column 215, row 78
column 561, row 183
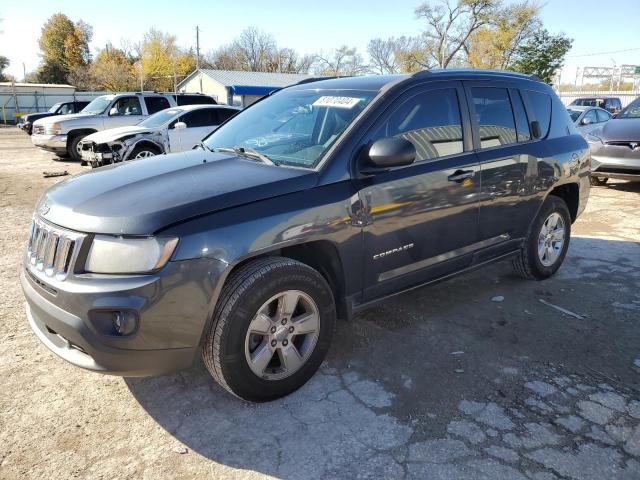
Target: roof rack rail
column 475, row 71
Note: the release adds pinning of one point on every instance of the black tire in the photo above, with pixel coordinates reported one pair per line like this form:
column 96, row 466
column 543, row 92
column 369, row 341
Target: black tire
column 599, row 182
column 244, row 293
column 72, row 146
column 528, row 264
column 143, row 148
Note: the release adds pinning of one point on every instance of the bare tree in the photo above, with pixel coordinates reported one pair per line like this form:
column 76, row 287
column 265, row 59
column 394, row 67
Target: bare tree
column 343, row 61
column 450, row 23
column 255, row 49
column 395, row 55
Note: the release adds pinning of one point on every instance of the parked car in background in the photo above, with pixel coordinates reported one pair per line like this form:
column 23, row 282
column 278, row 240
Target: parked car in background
column 63, row 135
column 168, row 131
column 315, row 202
column 615, row 147
column 62, row 108
column 588, row 118
column 610, row 104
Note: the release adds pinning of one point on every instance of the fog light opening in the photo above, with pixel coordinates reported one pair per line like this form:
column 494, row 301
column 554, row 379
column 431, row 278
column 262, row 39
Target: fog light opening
column 124, row 323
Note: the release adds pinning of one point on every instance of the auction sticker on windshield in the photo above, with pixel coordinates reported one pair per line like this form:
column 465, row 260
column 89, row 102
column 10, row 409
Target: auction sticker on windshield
column 338, row 102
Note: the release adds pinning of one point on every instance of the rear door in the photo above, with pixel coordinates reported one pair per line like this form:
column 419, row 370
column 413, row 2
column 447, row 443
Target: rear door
column 421, row 220
column 502, row 140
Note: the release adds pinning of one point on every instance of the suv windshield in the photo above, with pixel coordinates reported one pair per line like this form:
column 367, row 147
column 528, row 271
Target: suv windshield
column 98, row 105
column 294, row 127
column 631, row 111
column 160, row 118
column 55, row 108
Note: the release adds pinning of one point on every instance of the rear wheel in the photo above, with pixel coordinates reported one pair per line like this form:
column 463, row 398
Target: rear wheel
column 598, row 182
column 547, row 241
column 271, row 329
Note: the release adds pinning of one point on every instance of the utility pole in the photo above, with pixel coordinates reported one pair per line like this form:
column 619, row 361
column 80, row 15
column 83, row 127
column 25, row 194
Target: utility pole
column 197, row 47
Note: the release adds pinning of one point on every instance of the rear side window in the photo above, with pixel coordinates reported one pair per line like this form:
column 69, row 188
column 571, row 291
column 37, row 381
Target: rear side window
column 155, row 104
column 430, row 120
column 539, row 107
column 494, row 115
column 194, row 100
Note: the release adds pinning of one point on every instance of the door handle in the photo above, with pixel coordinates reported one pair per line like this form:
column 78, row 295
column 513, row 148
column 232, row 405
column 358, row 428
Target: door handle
column 459, row 175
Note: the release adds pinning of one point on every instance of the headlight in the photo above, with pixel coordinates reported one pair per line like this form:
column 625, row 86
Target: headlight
column 591, row 138
column 53, row 129
column 129, row 255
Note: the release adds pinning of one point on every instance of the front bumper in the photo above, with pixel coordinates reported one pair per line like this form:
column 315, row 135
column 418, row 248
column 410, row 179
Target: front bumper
column 620, row 162
column 25, row 126
column 51, row 143
column 172, row 306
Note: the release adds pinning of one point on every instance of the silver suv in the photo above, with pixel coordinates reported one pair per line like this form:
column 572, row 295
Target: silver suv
column 63, row 135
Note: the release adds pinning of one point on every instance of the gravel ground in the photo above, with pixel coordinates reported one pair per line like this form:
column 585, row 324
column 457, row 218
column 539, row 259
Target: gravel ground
column 450, row 381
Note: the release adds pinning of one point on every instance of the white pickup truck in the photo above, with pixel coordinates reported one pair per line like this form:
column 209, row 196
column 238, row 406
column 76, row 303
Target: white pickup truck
column 62, row 135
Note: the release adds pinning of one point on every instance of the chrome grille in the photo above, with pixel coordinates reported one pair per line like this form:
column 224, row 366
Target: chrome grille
column 38, row 129
column 51, row 249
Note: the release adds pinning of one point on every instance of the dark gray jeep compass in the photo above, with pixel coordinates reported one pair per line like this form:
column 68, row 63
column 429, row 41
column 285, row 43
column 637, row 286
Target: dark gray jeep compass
column 312, row 204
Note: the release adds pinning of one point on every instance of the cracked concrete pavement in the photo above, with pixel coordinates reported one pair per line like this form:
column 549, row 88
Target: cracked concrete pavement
column 438, row 383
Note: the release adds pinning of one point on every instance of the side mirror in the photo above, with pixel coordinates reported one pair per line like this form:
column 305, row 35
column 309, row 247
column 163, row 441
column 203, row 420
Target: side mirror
column 585, row 121
column 535, row 129
column 113, row 111
column 391, row 152
column 180, row 126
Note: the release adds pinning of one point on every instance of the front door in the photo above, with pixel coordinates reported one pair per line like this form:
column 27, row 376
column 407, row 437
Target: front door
column 421, row 220
column 124, row 112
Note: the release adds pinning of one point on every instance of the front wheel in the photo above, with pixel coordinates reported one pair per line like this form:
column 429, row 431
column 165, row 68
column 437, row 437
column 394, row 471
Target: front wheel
column 271, row 329
column 547, row 241
column 142, row 151
column 73, row 147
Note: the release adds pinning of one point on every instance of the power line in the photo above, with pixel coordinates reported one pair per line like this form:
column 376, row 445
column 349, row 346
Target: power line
column 603, row 53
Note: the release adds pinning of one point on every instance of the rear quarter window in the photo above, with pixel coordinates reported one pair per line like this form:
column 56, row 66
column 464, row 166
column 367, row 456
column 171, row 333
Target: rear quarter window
column 539, row 109
column 194, row 100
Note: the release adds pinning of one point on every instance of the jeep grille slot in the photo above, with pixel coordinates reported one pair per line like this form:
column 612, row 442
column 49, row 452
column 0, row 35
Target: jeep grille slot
column 50, row 249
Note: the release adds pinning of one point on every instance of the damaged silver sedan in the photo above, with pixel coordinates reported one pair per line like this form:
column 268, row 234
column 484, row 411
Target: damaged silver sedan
column 172, row 130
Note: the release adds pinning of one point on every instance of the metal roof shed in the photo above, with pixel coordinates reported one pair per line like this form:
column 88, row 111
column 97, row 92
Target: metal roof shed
column 237, row 87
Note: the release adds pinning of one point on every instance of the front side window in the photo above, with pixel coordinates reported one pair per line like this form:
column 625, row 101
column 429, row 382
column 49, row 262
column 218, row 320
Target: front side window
column 198, row 118
column 494, row 115
column 66, row 108
column 292, row 127
column 430, row 120
column 126, row 106
column 590, row 117
column 603, row 116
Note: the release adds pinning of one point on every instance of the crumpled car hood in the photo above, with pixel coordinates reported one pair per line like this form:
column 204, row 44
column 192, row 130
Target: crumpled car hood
column 142, row 197
column 113, row 134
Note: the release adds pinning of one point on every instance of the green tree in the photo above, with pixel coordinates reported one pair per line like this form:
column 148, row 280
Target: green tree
column 64, row 45
column 495, row 44
column 543, row 55
column 4, row 63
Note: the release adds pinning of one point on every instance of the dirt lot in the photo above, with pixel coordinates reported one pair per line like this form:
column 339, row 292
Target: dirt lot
column 444, row 382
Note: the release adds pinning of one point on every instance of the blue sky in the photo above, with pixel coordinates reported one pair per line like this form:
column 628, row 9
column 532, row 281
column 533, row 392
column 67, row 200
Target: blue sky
column 306, row 26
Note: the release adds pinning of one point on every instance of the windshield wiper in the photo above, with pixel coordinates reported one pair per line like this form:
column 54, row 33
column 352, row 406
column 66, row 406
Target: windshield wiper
column 204, row 147
column 248, row 153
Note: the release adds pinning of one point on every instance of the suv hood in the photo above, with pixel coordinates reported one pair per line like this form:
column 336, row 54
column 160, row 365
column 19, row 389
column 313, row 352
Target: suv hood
column 620, row 129
column 142, row 197
column 106, row 136
column 62, row 118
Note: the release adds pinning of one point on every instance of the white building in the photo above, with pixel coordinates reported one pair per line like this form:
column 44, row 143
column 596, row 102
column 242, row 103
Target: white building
column 237, row 87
